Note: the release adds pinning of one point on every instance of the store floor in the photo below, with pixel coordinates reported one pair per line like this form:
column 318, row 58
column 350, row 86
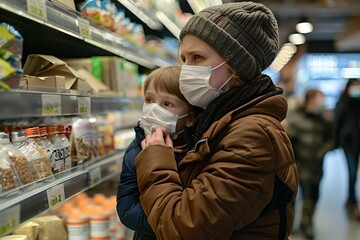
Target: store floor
column 331, row 220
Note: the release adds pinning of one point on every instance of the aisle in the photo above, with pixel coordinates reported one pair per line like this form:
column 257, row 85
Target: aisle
column 331, row 220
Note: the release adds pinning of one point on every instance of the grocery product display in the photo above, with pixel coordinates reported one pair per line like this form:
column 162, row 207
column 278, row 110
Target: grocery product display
column 61, row 125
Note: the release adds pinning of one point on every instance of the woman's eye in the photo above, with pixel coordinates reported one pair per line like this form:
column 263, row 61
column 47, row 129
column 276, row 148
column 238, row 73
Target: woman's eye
column 196, row 57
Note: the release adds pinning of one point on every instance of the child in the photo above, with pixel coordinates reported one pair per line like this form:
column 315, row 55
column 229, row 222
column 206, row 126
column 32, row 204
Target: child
column 165, row 107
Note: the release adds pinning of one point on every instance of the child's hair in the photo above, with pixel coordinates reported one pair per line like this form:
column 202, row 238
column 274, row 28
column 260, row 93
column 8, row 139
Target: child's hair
column 166, row 79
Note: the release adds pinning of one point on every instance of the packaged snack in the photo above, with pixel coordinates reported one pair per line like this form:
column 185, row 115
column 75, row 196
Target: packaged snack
column 11, row 43
column 8, row 176
column 92, row 9
column 17, row 159
column 78, row 226
column 49, row 146
column 107, row 14
column 58, row 149
column 66, row 146
column 48, row 224
column 35, row 151
column 81, row 141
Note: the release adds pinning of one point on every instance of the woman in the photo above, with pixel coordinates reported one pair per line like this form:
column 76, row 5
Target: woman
column 240, row 178
column 347, row 136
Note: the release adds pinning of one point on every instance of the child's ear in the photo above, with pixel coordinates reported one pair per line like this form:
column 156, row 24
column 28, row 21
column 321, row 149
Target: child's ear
column 190, row 122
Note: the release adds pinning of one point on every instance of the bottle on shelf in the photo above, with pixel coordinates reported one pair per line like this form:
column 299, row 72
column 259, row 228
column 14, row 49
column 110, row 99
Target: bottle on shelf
column 35, row 151
column 66, row 146
column 49, row 146
column 58, row 150
column 17, row 159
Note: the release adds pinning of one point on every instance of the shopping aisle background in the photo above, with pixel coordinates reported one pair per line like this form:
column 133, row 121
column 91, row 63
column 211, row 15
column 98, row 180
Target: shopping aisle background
column 331, row 220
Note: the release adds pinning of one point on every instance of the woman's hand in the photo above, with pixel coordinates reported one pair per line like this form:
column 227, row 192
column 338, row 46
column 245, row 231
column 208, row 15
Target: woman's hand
column 158, row 137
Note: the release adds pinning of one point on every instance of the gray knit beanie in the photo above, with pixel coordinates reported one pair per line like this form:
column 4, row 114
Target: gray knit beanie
column 245, row 34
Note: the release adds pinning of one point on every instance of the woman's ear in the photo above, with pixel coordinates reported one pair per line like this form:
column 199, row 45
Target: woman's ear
column 190, row 122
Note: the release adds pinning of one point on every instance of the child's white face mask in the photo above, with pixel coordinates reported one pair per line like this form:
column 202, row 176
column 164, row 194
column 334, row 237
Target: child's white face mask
column 154, row 116
column 195, row 86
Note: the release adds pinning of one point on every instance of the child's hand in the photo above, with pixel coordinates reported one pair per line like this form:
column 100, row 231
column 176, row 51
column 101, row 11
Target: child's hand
column 158, row 137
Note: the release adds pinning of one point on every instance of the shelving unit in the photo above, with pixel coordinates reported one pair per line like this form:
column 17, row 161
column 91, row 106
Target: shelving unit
column 73, row 24
column 42, row 196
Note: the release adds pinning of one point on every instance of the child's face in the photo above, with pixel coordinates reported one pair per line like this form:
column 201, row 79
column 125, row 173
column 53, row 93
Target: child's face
column 170, row 102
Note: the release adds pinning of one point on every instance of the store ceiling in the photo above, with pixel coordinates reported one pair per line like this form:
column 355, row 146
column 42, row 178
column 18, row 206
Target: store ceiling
column 336, row 22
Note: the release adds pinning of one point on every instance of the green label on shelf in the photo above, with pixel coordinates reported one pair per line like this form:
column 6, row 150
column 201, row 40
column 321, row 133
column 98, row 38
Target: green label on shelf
column 95, row 176
column 10, row 219
column 56, row 195
column 84, row 105
column 37, row 8
column 84, row 27
column 51, row 104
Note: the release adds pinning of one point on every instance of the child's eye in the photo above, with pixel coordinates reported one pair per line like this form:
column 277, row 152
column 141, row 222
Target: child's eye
column 168, row 104
column 148, row 100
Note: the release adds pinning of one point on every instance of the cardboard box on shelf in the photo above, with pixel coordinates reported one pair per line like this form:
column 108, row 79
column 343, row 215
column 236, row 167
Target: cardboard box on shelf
column 47, row 65
column 42, row 83
column 93, row 82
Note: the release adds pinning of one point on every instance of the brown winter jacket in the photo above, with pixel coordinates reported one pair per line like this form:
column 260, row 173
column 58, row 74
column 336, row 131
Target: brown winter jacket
column 238, row 183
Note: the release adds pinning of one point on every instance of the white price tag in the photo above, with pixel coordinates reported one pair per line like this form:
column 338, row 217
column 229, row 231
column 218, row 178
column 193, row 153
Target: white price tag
column 84, row 27
column 84, row 105
column 95, row 176
column 51, row 104
column 10, row 219
column 56, row 195
column 37, row 8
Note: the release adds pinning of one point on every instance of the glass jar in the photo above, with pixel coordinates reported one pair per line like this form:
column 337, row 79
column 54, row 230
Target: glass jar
column 34, row 150
column 8, row 176
column 58, row 150
column 18, row 138
column 49, row 146
column 17, row 158
column 66, row 146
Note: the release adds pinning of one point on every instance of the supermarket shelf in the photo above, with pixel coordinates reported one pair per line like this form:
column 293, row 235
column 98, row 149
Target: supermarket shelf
column 145, row 15
column 23, row 205
column 70, row 22
column 16, row 104
column 168, row 23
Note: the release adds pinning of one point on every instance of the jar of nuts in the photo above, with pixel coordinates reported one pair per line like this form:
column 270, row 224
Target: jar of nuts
column 36, row 153
column 17, row 158
column 8, row 177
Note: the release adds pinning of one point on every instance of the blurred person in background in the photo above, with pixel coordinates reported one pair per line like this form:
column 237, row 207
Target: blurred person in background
column 347, row 136
column 311, row 135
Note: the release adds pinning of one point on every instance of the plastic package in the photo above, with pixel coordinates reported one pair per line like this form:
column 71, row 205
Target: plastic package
column 8, row 176
column 35, row 151
column 49, row 146
column 92, row 10
column 58, row 150
column 17, row 159
column 66, row 146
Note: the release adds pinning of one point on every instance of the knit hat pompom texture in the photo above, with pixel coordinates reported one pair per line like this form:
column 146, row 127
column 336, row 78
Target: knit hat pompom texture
column 245, row 34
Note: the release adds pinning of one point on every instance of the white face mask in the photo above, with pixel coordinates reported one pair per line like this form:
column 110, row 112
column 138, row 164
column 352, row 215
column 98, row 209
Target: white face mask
column 154, row 116
column 195, row 86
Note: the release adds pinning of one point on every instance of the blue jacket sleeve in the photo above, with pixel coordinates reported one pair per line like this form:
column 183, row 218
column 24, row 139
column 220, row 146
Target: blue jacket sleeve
column 128, row 205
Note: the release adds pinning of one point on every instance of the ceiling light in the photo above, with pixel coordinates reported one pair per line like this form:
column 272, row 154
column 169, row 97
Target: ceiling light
column 297, row 38
column 304, row 27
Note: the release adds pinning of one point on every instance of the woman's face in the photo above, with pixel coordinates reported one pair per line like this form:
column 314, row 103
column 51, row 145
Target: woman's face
column 194, row 51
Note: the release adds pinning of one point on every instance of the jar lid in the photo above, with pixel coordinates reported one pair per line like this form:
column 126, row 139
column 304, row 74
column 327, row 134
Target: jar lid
column 43, row 131
column 4, row 138
column 32, row 132
column 18, row 136
column 61, row 128
column 51, row 130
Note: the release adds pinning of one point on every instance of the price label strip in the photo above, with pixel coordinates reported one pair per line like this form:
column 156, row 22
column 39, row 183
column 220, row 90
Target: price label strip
column 56, row 195
column 84, row 105
column 95, row 176
column 84, row 27
column 51, row 105
column 9, row 220
column 37, row 8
